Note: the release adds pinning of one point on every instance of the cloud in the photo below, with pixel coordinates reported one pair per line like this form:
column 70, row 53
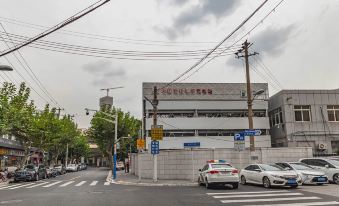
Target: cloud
column 175, row 2
column 198, row 14
column 104, row 71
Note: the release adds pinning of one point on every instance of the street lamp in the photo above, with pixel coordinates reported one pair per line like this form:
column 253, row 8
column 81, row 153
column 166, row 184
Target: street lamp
column 5, row 68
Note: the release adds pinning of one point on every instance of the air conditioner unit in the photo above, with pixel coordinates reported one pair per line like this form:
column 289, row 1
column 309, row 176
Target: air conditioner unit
column 322, row 146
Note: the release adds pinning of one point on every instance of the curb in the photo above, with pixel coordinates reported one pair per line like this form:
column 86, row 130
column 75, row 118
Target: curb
column 119, row 182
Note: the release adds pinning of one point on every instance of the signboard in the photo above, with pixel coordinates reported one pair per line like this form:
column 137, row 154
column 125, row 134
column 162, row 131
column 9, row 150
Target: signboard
column 140, row 144
column 155, row 147
column 157, row 133
column 252, row 132
column 239, row 141
column 191, row 144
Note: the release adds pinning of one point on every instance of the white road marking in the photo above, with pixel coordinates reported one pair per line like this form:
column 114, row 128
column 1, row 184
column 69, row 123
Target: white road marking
column 80, row 183
column 75, row 177
column 303, row 204
column 106, row 183
column 257, row 192
column 67, row 183
column 94, row 183
column 37, row 185
column 258, row 195
column 10, row 201
column 12, row 188
column 54, row 183
column 271, row 199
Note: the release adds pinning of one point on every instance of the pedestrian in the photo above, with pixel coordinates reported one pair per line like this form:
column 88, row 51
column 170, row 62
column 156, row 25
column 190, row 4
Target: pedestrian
column 127, row 166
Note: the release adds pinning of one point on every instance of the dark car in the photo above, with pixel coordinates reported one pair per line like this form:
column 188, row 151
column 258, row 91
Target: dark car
column 51, row 172
column 30, row 173
column 61, row 169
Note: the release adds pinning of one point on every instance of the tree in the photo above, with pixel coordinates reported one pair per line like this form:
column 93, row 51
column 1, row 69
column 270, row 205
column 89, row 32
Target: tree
column 80, row 147
column 102, row 131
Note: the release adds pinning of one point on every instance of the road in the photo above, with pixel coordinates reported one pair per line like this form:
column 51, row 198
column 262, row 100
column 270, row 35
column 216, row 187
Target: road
column 89, row 187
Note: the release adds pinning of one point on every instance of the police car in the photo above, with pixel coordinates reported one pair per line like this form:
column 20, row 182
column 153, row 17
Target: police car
column 218, row 172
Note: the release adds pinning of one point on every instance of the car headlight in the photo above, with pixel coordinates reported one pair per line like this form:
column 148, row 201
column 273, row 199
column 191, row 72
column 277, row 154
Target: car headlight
column 306, row 175
column 276, row 176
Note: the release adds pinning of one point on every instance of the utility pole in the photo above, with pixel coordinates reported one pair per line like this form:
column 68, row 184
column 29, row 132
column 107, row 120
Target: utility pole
column 155, row 125
column 249, row 89
column 59, row 111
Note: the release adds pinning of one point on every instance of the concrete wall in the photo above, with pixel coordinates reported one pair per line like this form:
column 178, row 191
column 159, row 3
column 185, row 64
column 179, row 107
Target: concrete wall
column 184, row 164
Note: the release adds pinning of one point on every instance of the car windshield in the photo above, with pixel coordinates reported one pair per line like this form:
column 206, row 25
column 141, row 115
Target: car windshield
column 301, row 166
column 271, row 167
column 218, row 166
column 29, row 167
column 71, row 165
column 334, row 162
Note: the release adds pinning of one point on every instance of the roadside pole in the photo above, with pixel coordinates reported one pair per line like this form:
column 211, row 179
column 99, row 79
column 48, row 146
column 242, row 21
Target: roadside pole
column 66, row 155
column 192, row 164
column 155, row 124
column 115, row 147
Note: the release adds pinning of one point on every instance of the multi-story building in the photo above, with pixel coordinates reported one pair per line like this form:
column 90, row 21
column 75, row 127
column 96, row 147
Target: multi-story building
column 206, row 115
column 11, row 151
column 305, row 118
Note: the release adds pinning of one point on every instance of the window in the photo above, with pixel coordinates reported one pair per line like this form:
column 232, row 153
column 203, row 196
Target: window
column 276, row 117
column 302, row 113
column 333, row 113
column 250, row 168
column 256, row 167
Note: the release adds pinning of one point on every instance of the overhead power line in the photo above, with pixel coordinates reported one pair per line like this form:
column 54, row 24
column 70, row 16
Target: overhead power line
column 58, row 26
column 218, row 45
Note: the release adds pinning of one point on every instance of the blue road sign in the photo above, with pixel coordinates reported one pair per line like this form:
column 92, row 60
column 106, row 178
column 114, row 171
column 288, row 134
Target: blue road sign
column 191, row 144
column 252, row 132
column 155, row 147
column 239, row 137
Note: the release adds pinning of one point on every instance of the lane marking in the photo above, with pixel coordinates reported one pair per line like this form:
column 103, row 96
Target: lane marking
column 259, row 195
column 258, row 192
column 37, row 185
column 10, row 201
column 75, row 177
column 271, row 199
column 93, row 183
column 67, row 183
column 303, row 204
column 106, row 183
column 80, row 183
column 12, row 188
column 54, row 183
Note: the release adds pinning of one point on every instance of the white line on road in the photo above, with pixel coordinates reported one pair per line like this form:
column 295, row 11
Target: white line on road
column 303, row 204
column 80, row 183
column 37, row 185
column 75, row 177
column 106, row 183
column 271, row 199
column 258, row 192
column 67, row 183
column 94, row 183
column 10, row 201
column 258, row 195
column 12, row 188
column 54, row 183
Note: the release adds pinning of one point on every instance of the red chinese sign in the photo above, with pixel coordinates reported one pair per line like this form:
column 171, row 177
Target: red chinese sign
column 186, row 91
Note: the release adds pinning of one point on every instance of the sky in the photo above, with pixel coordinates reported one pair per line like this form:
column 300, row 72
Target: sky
column 297, row 46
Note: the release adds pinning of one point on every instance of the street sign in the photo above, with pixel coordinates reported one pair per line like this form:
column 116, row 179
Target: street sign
column 155, row 147
column 140, row 144
column 157, row 133
column 239, row 137
column 239, row 141
column 191, row 144
column 252, row 132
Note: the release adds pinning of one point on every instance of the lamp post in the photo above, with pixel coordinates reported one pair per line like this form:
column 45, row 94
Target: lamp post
column 5, row 68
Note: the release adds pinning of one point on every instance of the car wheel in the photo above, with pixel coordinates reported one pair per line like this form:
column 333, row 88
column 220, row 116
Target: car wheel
column 336, row 178
column 243, row 180
column 266, row 182
column 235, row 185
column 207, row 185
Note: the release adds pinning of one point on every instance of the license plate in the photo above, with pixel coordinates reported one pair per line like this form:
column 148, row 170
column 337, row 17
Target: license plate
column 321, row 179
column 291, row 181
column 225, row 173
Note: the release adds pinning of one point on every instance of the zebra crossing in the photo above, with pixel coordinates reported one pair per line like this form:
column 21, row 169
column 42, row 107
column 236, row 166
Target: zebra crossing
column 270, row 198
column 51, row 184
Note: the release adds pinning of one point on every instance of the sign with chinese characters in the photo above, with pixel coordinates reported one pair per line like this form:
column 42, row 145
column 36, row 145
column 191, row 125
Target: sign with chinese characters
column 155, row 147
column 186, row 91
column 157, row 133
column 140, row 144
column 191, row 144
column 239, row 141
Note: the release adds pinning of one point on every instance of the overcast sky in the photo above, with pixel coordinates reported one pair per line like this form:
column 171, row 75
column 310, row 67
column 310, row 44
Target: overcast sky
column 298, row 43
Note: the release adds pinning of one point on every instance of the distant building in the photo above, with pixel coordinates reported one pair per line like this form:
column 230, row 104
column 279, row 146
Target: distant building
column 205, row 114
column 305, row 118
column 106, row 101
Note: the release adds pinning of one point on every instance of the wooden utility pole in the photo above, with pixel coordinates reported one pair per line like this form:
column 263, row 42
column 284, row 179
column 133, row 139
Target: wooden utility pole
column 249, row 90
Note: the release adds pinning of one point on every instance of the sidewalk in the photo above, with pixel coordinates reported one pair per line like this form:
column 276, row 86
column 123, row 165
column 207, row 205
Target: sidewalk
column 129, row 179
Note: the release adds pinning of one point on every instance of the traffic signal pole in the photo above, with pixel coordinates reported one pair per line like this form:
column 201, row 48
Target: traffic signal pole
column 155, row 124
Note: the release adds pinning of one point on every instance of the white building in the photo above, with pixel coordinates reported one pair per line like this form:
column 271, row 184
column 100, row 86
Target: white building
column 205, row 114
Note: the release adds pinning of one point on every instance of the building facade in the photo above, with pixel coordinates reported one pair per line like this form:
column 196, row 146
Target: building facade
column 11, row 151
column 310, row 118
column 206, row 115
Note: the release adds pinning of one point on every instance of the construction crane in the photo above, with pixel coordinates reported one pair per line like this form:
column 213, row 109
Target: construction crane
column 108, row 89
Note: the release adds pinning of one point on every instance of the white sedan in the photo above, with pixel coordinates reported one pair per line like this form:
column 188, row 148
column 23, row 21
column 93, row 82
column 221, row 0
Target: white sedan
column 218, row 172
column 269, row 175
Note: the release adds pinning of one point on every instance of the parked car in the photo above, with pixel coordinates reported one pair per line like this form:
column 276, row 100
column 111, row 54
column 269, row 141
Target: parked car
column 330, row 166
column 269, row 175
column 72, row 168
column 83, row 166
column 30, row 172
column 51, row 172
column 11, row 171
column 218, row 172
column 61, row 169
column 308, row 174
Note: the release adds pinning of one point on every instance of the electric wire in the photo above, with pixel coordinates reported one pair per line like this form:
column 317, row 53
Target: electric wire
column 262, row 76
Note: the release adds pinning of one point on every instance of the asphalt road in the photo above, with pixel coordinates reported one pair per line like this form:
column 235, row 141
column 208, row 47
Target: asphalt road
column 89, row 187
